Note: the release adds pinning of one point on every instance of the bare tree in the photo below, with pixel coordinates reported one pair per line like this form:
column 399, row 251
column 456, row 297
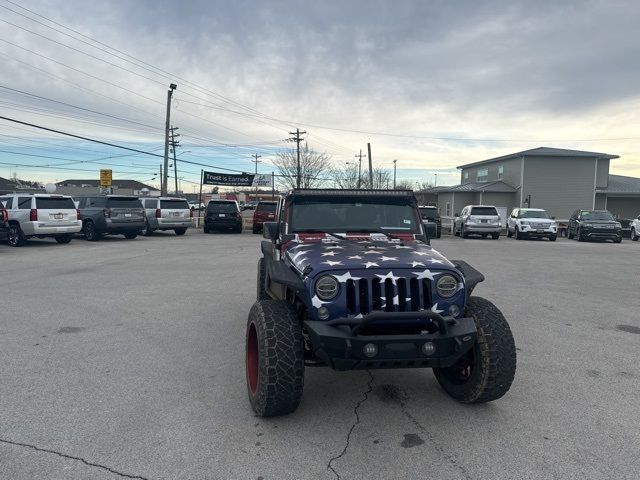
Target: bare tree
column 381, row 178
column 422, row 186
column 405, row 185
column 346, row 176
column 313, row 167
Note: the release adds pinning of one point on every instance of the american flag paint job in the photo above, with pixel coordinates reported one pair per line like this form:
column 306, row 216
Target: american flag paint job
column 371, row 258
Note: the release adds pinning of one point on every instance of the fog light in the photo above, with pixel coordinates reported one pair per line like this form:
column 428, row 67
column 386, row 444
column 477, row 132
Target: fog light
column 428, row 348
column 323, row 313
column 454, row 311
column 370, row 350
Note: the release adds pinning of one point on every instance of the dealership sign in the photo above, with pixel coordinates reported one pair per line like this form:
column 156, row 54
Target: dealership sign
column 236, row 180
column 263, row 181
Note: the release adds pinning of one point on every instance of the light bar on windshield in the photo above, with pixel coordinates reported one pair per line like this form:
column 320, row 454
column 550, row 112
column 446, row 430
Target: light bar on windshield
column 339, row 191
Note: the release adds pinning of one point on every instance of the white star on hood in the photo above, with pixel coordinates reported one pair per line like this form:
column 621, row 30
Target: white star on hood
column 316, row 302
column 414, row 264
column 388, row 259
column 328, row 254
column 372, row 252
column 334, row 247
column 355, row 257
column 422, row 254
column 347, row 276
column 402, row 247
column 370, row 264
column 433, row 260
column 388, row 276
column 425, row 274
column 331, row 263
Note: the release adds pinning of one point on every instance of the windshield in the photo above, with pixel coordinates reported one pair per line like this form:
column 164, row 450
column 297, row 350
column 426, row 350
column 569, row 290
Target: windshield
column 123, row 202
column 346, row 215
column 428, row 212
column 174, row 204
column 533, row 214
column 596, row 216
column 483, row 211
column 222, row 207
column 266, row 207
column 53, row 203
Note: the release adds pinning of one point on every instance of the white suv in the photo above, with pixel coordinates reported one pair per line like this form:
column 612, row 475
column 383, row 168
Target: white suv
column 40, row 215
column 531, row 222
column 635, row 229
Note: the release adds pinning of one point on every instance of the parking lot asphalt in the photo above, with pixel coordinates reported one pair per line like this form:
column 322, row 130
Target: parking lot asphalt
column 125, row 359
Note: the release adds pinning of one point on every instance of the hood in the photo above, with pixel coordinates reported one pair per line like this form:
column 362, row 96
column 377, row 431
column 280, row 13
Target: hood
column 329, row 253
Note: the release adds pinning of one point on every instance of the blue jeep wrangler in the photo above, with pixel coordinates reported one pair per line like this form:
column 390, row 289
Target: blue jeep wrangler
column 348, row 280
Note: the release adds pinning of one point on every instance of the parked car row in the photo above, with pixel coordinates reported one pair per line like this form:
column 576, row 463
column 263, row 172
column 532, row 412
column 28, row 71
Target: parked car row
column 26, row 216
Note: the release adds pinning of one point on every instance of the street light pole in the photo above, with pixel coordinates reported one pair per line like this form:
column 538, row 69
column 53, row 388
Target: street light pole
column 394, row 174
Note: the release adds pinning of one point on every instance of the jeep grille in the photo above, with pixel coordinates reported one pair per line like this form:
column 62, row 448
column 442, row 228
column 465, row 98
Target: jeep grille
column 364, row 296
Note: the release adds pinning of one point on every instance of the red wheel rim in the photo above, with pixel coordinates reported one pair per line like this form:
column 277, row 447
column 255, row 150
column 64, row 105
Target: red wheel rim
column 252, row 359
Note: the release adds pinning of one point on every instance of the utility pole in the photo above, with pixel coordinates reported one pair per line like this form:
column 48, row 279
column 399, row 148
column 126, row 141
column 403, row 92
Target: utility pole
column 297, row 139
column 164, row 181
column 359, row 157
column 436, row 183
column 394, row 174
column 370, row 166
column 380, row 181
column 174, row 143
column 256, row 161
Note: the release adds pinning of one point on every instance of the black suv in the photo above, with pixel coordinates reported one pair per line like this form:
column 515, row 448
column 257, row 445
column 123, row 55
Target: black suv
column 430, row 214
column 347, row 280
column 110, row 215
column 223, row 215
column 594, row 224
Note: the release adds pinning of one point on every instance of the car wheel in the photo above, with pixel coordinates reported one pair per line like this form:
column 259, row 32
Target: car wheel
column 255, row 230
column 495, row 236
column 63, row 239
column 180, row 231
column 570, row 235
column 130, row 236
column 509, row 234
column 90, row 232
column 238, row 230
column 463, row 234
column 261, row 281
column 485, row 372
column 618, row 240
column 206, row 230
column 146, row 231
column 274, row 358
column 15, row 237
column 579, row 235
column 634, row 235
column 553, row 237
column 517, row 235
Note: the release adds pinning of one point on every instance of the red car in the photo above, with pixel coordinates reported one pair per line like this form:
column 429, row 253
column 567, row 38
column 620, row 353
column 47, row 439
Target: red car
column 264, row 212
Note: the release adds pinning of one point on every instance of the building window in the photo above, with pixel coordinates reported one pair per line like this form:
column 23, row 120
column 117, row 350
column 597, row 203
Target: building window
column 466, row 177
column 482, row 175
column 500, row 172
column 447, row 209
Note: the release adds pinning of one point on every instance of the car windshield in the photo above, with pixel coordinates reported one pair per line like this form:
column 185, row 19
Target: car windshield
column 533, row 214
column 344, row 214
column 123, row 202
column 221, row 207
column 483, row 211
column 55, row 203
column 266, row 207
column 174, row 204
column 596, row 216
column 428, row 212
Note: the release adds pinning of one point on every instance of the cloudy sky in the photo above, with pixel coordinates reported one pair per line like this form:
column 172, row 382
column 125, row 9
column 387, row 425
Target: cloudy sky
column 433, row 84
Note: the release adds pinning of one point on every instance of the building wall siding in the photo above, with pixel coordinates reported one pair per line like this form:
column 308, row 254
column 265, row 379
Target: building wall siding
column 624, row 207
column 601, row 201
column 511, row 173
column 507, row 200
column 464, row 199
column 603, row 173
column 560, row 185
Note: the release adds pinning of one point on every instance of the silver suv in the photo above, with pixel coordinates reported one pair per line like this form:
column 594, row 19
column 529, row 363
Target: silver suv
column 166, row 213
column 478, row 219
column 40, row 216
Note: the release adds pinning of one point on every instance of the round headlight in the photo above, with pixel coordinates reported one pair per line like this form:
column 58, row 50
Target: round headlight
column 446, row 286
column 326, row 287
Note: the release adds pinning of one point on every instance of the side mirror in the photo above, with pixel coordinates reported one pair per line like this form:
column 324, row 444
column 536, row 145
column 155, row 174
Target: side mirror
column 270, row 230
column 456, row 214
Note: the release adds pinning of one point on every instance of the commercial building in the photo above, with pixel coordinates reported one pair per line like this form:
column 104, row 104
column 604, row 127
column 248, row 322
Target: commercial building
column 558, row 180
column 92, row 187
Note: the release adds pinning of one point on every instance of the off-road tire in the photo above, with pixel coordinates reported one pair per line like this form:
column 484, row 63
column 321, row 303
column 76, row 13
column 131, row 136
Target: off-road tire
column 493, row 357
column 274, row 358
column 180, row 231
column 63, row 239
column 634, row 235
column 130, row 236
column 261, row 293
column 15, row 237
column 552, row 238
column 90, row 233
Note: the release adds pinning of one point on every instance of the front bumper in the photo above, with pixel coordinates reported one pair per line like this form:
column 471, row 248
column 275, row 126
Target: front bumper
column 338, row 342
column 533, row 231
column 602, row 234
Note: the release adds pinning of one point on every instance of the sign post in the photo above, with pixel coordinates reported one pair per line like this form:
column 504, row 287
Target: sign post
column 106, row 177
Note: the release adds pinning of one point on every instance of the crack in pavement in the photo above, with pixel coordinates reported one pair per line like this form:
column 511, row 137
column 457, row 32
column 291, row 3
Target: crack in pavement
column 365, row 395
column 71, row 457
column 449, row 457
